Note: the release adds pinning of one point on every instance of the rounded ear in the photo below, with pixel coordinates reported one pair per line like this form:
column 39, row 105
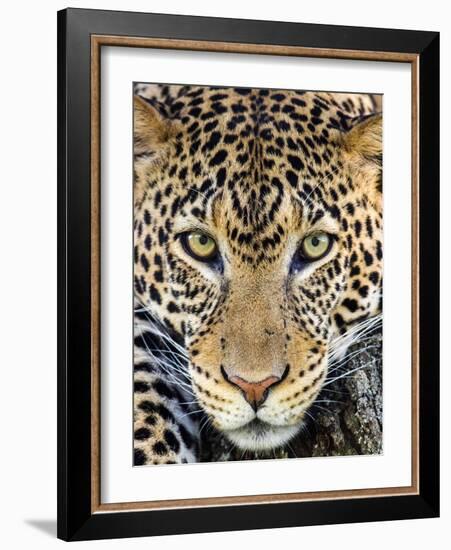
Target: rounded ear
column 151, row 129
column 362, row 143
column 361, row 149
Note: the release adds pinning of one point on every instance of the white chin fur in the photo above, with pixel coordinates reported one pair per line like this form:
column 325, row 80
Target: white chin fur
column 261, row 437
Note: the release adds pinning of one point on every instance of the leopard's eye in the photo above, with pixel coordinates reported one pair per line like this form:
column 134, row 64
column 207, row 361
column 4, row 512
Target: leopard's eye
column 199, row 245
column 315, row 246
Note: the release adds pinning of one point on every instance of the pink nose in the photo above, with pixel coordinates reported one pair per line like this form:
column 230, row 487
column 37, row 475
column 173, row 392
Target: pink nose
column 254, row 392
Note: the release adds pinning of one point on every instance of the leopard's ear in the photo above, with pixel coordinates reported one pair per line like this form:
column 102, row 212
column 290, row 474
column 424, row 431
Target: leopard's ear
column 151, row 129
column 362, row 143
column 361, row 149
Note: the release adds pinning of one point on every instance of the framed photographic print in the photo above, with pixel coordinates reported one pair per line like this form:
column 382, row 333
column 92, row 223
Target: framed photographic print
column 248, row 274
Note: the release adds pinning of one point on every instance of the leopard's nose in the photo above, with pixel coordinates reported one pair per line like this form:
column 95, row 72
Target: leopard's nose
column 255, row 393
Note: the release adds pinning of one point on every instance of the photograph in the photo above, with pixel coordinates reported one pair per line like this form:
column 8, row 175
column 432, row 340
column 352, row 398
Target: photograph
column 229, row 229
column 248, row 274
column 258, row 268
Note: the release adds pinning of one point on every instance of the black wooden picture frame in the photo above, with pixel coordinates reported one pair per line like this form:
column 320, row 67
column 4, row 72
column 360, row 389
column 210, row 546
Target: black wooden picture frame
column 79, row 515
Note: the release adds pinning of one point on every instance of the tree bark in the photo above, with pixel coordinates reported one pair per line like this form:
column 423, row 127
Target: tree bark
column 346, row 418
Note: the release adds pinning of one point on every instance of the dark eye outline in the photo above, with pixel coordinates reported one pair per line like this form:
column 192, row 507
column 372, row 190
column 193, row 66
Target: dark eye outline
column 186, row 247
column 311, row 259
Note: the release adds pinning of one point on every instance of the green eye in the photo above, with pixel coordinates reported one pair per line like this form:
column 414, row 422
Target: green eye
column 199, row 245
column 315, row 246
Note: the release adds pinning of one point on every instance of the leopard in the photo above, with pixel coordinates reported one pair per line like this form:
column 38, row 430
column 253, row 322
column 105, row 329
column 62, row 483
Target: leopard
column 257, row 258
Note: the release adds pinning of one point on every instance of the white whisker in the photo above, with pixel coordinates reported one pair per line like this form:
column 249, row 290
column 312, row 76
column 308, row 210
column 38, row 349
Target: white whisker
column 344, row 375
column 342, row 363
column 320, row 182
column 190, row 413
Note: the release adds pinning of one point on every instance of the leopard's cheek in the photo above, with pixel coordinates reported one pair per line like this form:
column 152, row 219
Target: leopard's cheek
column 223, row 403
column 288, row 403
column 224, row 406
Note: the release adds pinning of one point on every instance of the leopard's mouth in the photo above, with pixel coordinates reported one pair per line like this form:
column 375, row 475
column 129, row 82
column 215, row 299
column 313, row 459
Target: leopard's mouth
column 258, row 435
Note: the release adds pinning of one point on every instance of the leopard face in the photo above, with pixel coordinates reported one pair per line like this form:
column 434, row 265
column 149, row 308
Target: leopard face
column 258, row 231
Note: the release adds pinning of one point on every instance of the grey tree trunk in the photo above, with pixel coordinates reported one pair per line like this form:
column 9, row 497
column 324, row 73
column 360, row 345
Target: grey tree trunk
column 346, row 419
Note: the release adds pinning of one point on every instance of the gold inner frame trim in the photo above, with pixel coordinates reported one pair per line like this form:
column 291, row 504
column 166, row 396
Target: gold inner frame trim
column 97, row 41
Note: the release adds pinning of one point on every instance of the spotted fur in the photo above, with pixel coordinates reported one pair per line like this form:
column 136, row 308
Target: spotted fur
column 256, row 169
